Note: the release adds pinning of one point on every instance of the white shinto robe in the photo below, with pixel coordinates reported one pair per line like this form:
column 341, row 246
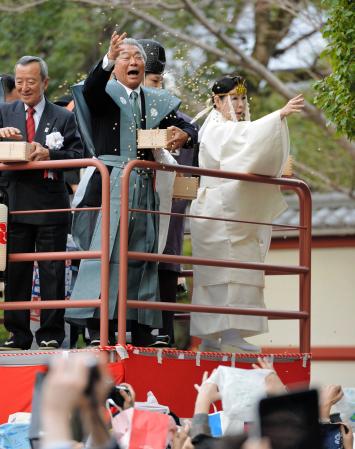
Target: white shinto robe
column 259, row 147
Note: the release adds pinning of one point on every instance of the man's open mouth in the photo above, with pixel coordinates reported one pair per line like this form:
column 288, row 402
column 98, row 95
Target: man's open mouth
column 133, row 72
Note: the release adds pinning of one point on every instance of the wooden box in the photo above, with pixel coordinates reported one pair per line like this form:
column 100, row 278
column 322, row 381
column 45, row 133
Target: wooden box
column 15, row 151
column 153, row 138
column 185, row 187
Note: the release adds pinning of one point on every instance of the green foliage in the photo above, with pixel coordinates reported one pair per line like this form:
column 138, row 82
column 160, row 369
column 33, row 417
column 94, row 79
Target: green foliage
column 335, row 93
column 67, row 35
column 71, row 36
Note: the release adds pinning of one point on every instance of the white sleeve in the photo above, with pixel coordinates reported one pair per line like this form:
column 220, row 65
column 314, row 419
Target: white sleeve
column 107, row 64
column 163, row 156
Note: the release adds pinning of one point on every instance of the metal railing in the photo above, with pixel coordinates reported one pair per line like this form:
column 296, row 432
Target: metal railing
column 303, row 270
column 103, row 254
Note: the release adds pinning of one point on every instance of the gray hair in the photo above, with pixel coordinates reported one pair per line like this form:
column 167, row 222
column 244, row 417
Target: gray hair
column 135, row 43
column 25, row 60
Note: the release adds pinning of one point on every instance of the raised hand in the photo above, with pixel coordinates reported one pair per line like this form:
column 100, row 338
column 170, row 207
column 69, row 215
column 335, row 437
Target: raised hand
column 329, row 395
column 10, row 133
column 272, row 381
column 128, row 398
column 296, row 104
column 207, row 394
column 115, row 45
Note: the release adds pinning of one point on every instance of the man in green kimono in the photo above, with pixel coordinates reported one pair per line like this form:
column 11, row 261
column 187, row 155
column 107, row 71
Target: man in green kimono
column 119, row 105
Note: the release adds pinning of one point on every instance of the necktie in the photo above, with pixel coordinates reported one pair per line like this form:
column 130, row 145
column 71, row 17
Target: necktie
column 30, row 124
column 135, row 108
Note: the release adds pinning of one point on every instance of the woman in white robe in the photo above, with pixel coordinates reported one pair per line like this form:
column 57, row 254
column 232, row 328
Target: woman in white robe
column 229, row 141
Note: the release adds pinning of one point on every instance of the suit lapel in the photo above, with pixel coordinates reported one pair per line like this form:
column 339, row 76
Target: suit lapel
column 46, row 124
column 18, row 118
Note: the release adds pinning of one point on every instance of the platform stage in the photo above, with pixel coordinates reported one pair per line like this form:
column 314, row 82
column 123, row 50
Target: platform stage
column 169, row 374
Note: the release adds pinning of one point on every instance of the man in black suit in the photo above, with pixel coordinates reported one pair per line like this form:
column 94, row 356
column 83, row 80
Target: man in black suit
column 34, row 119
column 105, row 114
column 119, row 104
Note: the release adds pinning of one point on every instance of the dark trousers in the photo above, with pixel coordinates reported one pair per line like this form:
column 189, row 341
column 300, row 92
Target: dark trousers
column 168, row 280
column 141, row 333
column 29, row 238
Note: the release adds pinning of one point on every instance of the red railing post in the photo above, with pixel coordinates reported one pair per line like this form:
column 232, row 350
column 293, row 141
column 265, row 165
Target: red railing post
column 105, row 259
column 123, row 264
column 103, row 253
column 305, row 245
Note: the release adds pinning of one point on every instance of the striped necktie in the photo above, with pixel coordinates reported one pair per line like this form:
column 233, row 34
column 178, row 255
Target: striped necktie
column 135, row 108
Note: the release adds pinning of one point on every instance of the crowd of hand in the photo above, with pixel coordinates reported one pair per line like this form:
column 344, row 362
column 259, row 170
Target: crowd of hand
column 65, row 390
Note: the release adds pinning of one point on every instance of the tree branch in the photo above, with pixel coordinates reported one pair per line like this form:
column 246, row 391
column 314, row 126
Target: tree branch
column 280, row 51
column 264, row 73
column 22, row 8
column 183, row 37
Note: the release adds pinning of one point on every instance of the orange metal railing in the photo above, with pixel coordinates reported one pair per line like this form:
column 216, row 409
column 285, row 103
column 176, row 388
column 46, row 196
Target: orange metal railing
column 303, row 270
column 103, row 254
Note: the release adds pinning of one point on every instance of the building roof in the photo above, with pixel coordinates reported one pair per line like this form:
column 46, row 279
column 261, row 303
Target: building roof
column 332, row 214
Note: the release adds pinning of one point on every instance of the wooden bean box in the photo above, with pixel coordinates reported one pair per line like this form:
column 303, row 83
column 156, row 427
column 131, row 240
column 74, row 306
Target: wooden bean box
column 15, row 151
column 153, row 138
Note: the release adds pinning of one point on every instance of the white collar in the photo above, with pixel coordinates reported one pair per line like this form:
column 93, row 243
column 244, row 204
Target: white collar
column 39, row 107
column 129, row 90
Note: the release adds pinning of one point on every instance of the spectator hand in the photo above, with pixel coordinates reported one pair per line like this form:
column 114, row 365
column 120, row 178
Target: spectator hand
column 256, row 444
column 329, row 395
column 10, row 133
column 39, row 153
column 66, row 380
column 129, row 399
column 181, row 439
column 273, row 383
column 178, row 140
column 115, row 45
column 62, row 391
column 296, row 104
column 348, row 437
column 207, row 394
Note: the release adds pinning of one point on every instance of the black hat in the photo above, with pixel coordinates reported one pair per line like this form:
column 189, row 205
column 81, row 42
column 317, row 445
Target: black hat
column 228, row 83
column 155, row 56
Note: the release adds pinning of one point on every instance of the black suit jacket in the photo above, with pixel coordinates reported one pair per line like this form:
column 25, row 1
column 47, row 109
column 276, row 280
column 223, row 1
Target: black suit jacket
column 105, row 115
column 28, row 189
column 105, row 120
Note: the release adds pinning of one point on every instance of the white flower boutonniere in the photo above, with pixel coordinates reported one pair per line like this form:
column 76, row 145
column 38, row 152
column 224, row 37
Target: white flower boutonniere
column 54, row 141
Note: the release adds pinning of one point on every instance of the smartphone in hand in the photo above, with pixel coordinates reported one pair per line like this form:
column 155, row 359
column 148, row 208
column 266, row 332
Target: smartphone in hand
column 290, row 421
